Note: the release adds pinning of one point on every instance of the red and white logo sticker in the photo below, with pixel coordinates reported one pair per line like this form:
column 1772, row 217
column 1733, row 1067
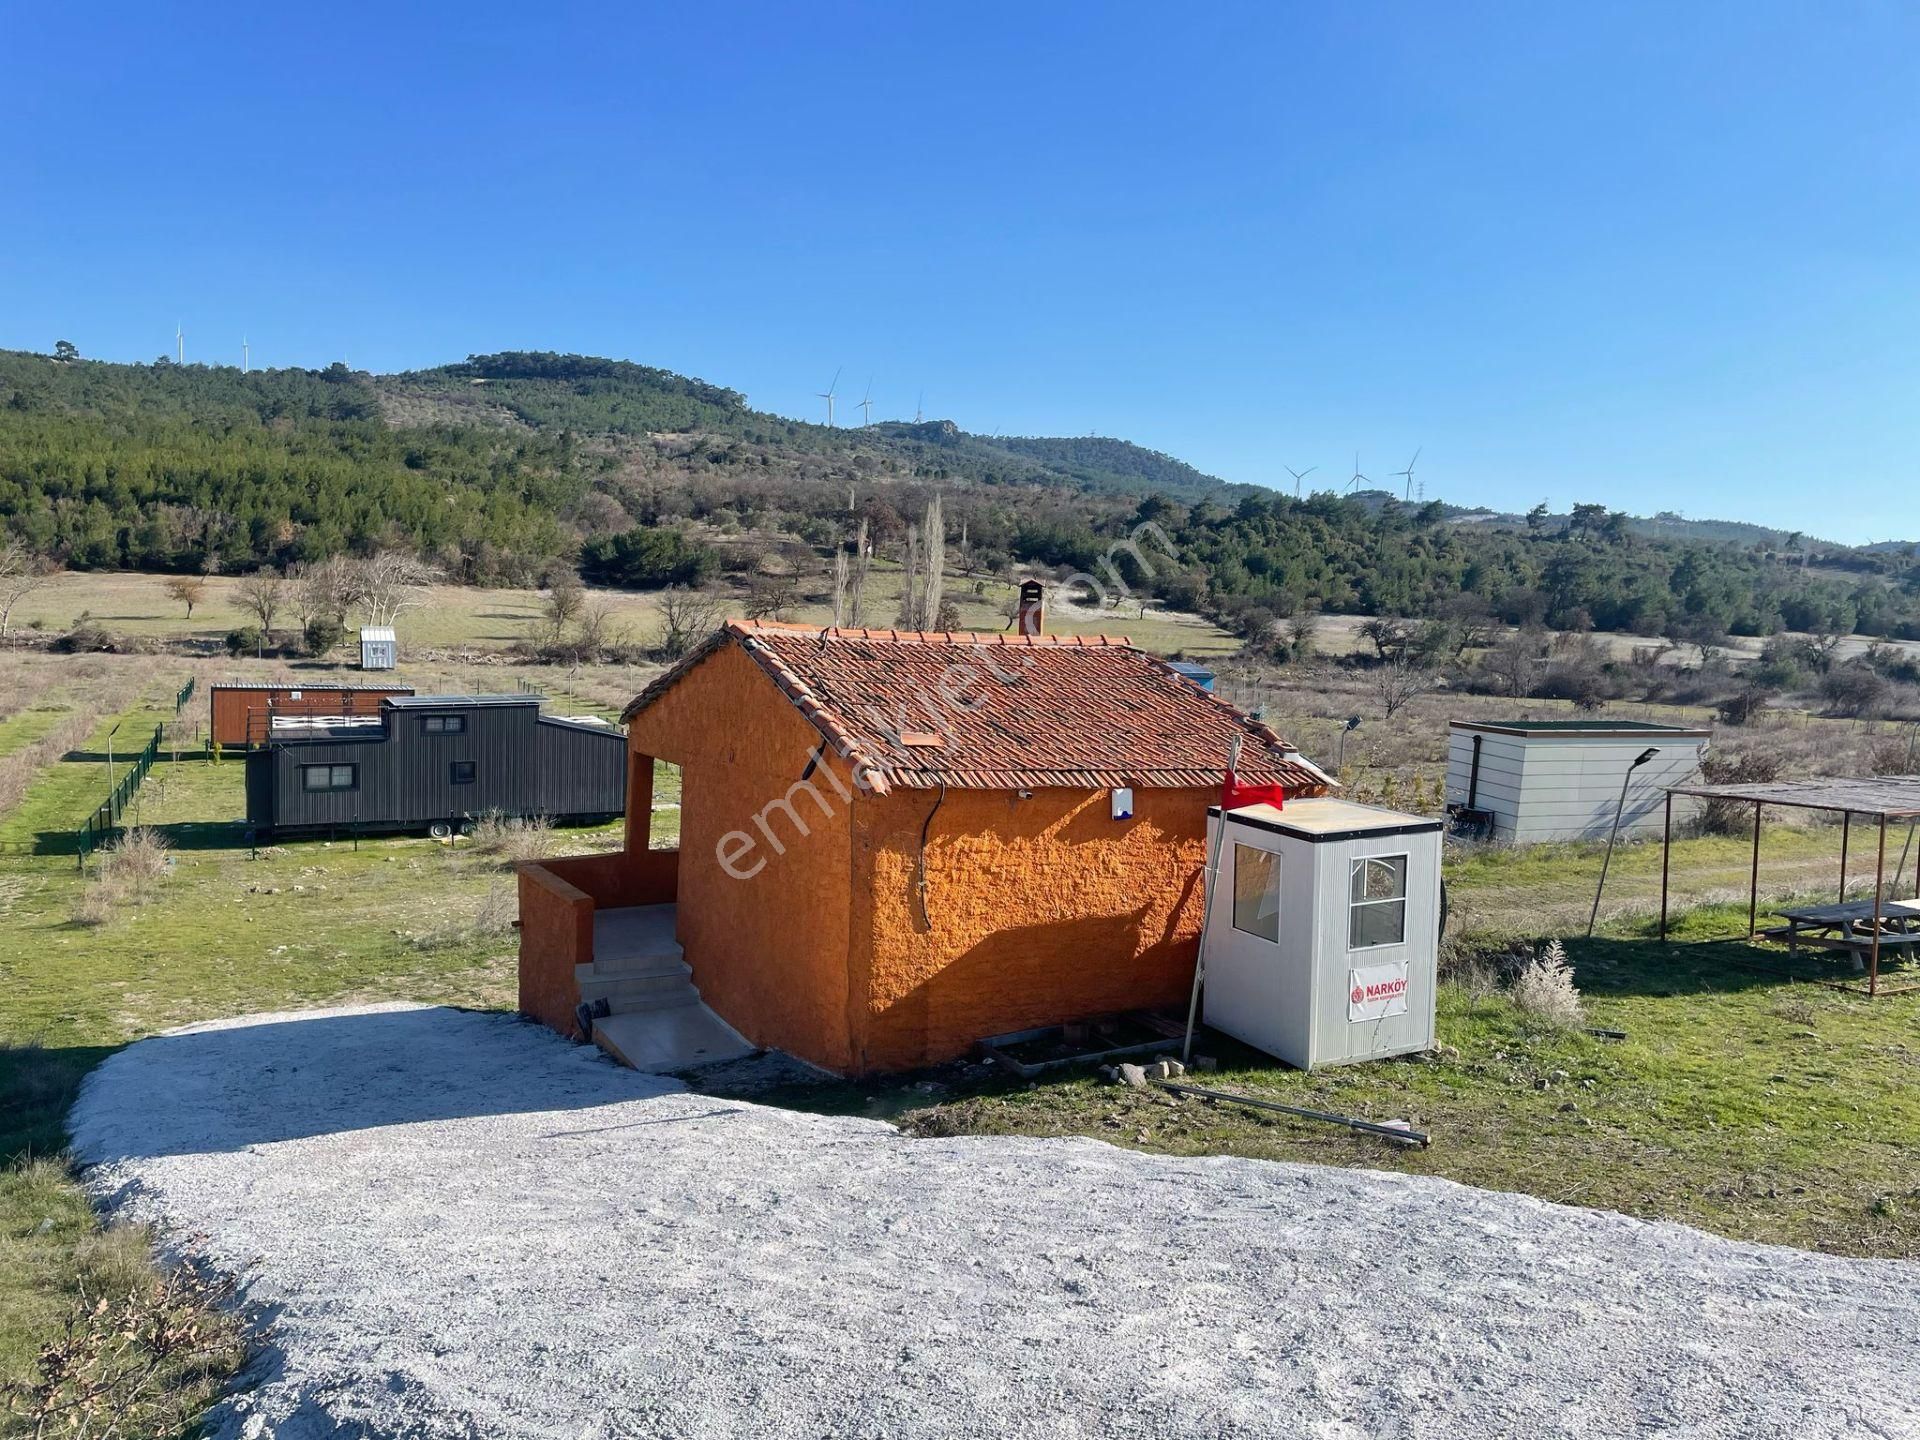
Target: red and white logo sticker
column 1377, row 991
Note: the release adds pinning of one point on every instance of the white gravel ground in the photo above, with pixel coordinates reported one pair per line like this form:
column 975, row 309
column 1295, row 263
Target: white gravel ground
column 466, row 1227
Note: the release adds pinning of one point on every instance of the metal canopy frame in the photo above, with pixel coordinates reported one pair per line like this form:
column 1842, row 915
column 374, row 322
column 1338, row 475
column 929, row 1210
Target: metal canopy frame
column 1880, row 798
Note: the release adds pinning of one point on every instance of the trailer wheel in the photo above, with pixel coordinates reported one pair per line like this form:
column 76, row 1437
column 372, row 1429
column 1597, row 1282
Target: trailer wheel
column 440, row 830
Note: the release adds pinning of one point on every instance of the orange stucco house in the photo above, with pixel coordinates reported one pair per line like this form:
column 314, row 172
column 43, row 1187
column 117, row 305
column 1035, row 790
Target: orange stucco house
column 895, row 844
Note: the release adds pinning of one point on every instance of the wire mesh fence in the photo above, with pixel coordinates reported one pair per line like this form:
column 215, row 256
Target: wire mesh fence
column 104, row 823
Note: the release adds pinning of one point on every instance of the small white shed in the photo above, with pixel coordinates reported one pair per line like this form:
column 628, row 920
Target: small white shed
column 1323, row 936
column 1533, row 780
column 379, row 650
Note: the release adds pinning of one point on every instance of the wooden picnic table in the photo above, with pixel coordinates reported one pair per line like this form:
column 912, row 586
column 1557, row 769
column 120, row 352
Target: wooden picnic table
column 1848, row 926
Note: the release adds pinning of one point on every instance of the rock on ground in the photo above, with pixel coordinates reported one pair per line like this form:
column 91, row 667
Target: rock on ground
column 464, row 1226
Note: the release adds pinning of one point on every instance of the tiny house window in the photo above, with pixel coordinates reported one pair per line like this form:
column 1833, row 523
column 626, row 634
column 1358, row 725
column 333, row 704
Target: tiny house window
column 444, row 724
column 462, row 772
column 1256, row 892
column 329, row 777
column 1377, row 902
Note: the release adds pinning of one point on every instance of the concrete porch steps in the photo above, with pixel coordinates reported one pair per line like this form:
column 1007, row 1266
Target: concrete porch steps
column 657, row 1021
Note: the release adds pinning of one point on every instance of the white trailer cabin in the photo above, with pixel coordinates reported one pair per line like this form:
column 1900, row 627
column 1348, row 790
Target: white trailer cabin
column 1531, row 780
column 1323, row 931
column 379, row 650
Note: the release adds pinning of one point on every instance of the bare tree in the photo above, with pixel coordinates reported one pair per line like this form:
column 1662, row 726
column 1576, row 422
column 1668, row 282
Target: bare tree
column 687, row 616
column 862, row 565
column 1398, row 682
column 839, row 586
column 263, row 595
column 1515, row 660
column 934, row 531
column 322, row 590
column 1302, row 628
column 189, row 590
column 389, row 583
column 910, row 596
column 21, row 573
column 566, row 598
column 600, row 630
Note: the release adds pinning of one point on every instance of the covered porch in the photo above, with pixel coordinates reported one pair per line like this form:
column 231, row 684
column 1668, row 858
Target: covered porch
column 600, row 955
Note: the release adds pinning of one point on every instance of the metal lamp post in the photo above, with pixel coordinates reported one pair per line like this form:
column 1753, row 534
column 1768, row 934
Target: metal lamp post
column 1614, row 833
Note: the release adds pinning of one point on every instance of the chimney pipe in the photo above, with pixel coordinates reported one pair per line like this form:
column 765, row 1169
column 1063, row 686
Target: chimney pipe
column 1032, row 613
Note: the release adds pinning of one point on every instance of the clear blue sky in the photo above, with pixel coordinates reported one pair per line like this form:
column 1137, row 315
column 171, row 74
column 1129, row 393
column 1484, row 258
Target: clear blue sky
column 1661, row 256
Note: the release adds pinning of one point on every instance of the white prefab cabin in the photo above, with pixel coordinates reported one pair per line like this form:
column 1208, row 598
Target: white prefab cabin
column 1531, row 780
column 1323, row 932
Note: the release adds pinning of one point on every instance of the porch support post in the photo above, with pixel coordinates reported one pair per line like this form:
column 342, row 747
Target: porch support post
column 1879, row 895
column 1753, row 886
column 1666, row 855
column 1846, row 832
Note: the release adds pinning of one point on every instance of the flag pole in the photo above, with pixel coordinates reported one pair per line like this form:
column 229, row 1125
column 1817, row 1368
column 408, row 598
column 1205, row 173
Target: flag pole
column 1206, row 900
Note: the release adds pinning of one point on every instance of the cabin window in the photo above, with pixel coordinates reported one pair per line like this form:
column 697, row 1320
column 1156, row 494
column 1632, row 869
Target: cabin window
column 329, row 777
column 1377, row 902
column 444, row 724
column 462, row 772
column 1256, row 892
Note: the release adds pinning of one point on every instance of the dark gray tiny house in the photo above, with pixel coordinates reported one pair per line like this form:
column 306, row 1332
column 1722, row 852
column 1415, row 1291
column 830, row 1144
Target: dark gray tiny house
column 438, row 760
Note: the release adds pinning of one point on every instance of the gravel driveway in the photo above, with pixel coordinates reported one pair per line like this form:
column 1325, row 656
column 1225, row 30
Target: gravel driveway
column 467, row 1227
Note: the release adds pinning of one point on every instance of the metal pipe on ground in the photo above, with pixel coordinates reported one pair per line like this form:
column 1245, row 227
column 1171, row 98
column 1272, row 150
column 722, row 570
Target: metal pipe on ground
column 1407, row 1136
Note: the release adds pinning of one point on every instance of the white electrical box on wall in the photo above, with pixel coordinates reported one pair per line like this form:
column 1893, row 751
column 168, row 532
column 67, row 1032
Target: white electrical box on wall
column 1323, row 936
column 1123, row 804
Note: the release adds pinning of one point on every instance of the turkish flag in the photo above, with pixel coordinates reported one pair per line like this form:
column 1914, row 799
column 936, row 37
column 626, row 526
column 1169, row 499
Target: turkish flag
column 1234, row 795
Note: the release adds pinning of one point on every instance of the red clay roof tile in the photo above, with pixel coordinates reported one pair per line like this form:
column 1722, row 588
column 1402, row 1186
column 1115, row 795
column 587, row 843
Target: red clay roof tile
column 1011, row 711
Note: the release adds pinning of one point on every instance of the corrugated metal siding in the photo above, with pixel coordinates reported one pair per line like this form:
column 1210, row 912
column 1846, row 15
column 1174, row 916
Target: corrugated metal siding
column 523, row 765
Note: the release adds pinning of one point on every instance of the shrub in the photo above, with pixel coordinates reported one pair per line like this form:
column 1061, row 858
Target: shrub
column 1730, row 767
column 137, row 861
column 142, row 1350
column 321, row 634
column 648, row 559
column 1544, row 986
column 513, row 838
column 244, row 641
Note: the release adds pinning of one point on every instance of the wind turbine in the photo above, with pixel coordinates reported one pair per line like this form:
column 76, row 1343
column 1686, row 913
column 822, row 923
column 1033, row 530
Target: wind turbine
column 919, row 407
column 866, row 404
column 1407, row 474
column 1355, row 480
column 1299, row 475
column 180, row 344
column 828, row 394
column 244, row 356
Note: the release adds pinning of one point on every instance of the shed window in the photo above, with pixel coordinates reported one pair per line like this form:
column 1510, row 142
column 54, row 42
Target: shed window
column 329, row 777
column 1256, row 892
column 1377, row 902
column 444, row 724
column 462, row 772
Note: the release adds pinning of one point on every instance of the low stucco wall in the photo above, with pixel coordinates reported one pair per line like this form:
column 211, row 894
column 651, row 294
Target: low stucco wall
column 557, row 902
column 556, row 933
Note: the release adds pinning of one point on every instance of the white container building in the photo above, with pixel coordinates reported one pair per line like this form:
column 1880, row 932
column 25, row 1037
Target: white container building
column 1323, row 938
column 1531, row 780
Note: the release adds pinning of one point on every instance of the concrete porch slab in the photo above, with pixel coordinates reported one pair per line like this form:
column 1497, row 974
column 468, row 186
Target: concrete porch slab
column 677, row 1038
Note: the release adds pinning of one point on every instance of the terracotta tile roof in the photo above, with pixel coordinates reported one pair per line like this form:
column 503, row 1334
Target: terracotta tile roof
column 1002, row 712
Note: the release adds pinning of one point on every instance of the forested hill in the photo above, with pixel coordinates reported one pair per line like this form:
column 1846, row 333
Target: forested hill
column 508, row 468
